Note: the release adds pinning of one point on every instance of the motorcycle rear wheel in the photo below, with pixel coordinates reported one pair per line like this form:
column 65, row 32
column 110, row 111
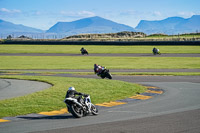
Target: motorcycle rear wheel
column 76, row 111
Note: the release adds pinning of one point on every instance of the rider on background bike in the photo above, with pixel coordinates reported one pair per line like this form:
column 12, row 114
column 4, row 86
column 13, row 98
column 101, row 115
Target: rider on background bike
column 98, row 69
column 82, row 49
column 154, row 50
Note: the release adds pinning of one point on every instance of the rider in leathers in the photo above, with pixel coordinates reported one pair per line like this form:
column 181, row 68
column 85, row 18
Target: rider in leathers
column 83, row 49
column 72, row 93
column 154, row 50
column 98, row 69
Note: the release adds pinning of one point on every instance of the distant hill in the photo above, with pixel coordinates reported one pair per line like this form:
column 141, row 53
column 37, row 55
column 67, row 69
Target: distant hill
column 171, row 25
column 98, row 25
column 9, row 28
column 120, row 36
column 89, row 25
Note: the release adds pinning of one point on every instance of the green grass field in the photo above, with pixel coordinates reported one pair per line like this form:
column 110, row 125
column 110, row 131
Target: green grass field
column 52, row 98
column 95, row 49
column 71, row 62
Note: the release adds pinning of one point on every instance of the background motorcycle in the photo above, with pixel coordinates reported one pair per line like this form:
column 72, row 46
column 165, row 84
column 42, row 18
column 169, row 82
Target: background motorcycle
column 156, row 52
column 105, row 74
column 84, row 51
column 80, row 107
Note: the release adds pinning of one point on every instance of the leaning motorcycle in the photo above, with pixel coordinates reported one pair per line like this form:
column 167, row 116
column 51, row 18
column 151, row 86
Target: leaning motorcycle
column 84, row 51
column 156, row 52
column 105, row 74
column 80, row 107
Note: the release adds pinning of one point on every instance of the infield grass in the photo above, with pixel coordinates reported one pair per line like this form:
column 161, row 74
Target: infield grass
column 75, row 49
column 84, row 62
column 52, row 98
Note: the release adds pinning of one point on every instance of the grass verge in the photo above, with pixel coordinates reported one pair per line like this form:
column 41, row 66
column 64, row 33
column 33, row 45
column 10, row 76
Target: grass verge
column 52, row 98
column 71, row 62
column 75, row 49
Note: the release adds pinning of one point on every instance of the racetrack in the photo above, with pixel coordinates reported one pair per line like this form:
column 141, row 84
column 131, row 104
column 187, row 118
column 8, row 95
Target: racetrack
column 179, row 96
column 10, row 88
column 176, row 110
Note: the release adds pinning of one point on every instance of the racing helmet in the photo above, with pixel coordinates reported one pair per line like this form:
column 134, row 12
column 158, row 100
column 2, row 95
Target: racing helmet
column 71, row 88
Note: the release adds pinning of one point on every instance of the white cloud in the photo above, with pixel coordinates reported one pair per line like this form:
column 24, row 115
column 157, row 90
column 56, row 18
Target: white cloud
column 128, row 13
column 186, row 14
column 157, row 13
column 78, row 14
column 86, row 13
column 16, row 11
column 4, row 10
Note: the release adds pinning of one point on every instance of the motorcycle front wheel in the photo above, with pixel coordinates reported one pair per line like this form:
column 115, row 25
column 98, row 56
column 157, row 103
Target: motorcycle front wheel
column 108, row 75
column 76, row 111
column 94, row 110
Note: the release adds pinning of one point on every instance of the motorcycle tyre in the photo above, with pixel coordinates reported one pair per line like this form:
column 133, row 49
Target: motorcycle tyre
column 69, row 109
column 94, row 110
column 75, row 113
column 109, row 76
column 102, row 77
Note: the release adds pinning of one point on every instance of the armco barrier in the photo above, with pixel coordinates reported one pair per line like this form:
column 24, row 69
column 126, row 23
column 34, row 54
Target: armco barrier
column 103, row 43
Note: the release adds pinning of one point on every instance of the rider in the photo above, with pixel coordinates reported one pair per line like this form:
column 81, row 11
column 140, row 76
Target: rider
column 98, row 69
column 82, row 49
column 155, row 50
column 72, row 93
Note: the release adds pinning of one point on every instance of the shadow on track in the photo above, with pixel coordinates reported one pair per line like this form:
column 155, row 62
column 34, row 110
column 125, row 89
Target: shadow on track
column 54, row 117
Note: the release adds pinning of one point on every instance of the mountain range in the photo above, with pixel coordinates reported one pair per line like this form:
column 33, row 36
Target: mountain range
column 171, row 25
column 89, row 25
column 9, row 28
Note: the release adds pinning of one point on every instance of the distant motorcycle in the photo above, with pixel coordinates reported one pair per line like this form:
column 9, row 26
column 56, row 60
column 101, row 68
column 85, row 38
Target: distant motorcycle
column 84, row 51
column 156, row 51
column 105, row 74
column 80, row 107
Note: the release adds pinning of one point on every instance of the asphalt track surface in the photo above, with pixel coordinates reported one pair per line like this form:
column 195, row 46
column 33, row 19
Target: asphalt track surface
column 176, row 110
column 10, row 88
column 112, row 70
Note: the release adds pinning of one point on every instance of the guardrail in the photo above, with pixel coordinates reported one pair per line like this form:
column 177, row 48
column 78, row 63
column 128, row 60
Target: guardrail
column 39, row 42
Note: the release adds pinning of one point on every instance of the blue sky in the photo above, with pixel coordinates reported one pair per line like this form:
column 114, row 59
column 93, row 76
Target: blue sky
column 43, row 14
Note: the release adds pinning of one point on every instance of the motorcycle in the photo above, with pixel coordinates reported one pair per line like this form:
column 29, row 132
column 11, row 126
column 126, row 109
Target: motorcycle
column 105, row 74
column 81, row 106
column 84, row 51
column 156, row 51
